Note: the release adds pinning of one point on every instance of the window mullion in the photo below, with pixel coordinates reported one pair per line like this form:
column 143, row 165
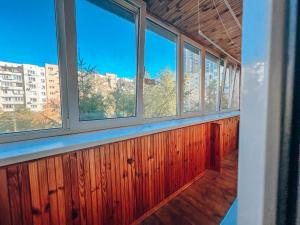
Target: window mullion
column 180, row 76
column 232, row 88
column 71, row 62
column 141, row 64
column 218, row 105
column 61, row 41
column 223, row 83
column 202, row 87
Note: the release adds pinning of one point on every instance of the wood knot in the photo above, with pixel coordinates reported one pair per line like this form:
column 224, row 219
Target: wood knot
column 130, row 161
column 36, row 211
column 74, row 213
column 50, row 192
column 47, row 207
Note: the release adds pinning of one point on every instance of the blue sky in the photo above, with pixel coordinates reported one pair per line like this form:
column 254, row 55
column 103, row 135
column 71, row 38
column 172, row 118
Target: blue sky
column 104, row 40
column 27, row 32
column 254, row 30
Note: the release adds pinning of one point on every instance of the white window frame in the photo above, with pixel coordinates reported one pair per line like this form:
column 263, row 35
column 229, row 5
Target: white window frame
column 63, row 75
column 178, row 72
column 189, row 41
column 233, row 71
column 67, row 59
column 75, row 123
column 217, row 109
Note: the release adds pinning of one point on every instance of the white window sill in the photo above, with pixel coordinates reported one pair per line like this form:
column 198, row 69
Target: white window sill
column 17, row 152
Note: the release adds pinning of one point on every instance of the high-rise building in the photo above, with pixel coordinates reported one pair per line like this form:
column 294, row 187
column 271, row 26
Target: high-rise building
column 22, row 86
column 35, row 87
column 192, row 70
column 11, row 86
column 53, row 84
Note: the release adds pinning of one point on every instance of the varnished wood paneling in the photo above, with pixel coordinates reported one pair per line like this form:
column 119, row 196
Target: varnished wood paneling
column 205, row 202
column 183, row 14
column 4, row 199
column 112, row 184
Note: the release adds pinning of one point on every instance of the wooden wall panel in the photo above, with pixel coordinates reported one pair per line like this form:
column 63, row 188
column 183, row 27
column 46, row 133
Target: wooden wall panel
column 112, row 184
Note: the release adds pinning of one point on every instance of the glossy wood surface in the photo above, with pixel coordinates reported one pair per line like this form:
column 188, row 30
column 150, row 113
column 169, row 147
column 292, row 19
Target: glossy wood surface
column 112, row 184
column 205, row 202
column 183, row 14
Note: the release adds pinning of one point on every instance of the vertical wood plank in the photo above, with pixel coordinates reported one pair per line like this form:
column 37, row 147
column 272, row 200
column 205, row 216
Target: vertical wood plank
column 98, row 185
column 81, row 187
column 35, row 193
column 123, row 177
column 68, row 188
column 25, row 193
column 109, row 199
column 87, row 182
column 60, row 189
column 14, row 195
column 131, row 164
column 138, row 178
column 42, row 168
column 113, row 183
column 151, row 187
column 93, row 186
column 118, row 202
column 52, row 186
column 103, row 183
column 4, row 199
column 75, row 189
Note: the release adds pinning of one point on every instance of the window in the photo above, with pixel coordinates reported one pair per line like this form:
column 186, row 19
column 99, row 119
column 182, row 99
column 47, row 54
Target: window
column 160, row 78
column 107, row 60
column 117, row 72
column 230, row 88
column 192, row 78
column 236, row 91
column 226, row 81
column 211, row 83
column 23, row 55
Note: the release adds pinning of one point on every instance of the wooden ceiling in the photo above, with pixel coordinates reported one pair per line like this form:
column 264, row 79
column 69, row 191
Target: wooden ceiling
column 183, row 14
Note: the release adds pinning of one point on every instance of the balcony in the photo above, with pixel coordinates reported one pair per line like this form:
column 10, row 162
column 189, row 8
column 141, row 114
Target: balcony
column 145, row 134
column 145, row 126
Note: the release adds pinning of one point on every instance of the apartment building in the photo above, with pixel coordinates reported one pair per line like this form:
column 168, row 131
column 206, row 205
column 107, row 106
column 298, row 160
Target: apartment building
column 35, row 87
column 25, row 86
column 52, row 83
column 11, row 86
column 192, row 70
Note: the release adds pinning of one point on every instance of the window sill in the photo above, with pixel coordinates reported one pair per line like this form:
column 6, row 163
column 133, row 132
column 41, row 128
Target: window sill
column 17, row 152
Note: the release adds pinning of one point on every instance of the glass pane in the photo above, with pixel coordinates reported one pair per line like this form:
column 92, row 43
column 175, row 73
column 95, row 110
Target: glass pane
column 192, row 76
column 107, row 60
column 29, row 74
column 211, row 83
column 226, row 87
column 236, row 92
column 160, row 88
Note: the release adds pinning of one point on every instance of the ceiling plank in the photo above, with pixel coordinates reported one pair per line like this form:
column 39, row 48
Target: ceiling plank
column 183, row 14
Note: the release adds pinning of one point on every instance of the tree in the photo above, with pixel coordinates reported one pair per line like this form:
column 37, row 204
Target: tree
column 23, row 119
column 160, row 95
column 211, row 87
column 91, row 104
column 125, row 98
column 191, row 93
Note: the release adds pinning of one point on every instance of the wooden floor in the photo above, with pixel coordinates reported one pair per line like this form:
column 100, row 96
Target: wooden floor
column 204, row 202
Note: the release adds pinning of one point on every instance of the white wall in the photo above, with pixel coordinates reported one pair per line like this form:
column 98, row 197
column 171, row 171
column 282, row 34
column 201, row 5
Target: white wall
column 262, row 48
